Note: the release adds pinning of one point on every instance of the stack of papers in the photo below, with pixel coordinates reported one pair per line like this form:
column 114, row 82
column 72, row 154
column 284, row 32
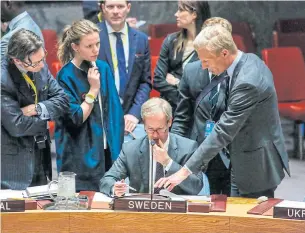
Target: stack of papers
column 41, row 192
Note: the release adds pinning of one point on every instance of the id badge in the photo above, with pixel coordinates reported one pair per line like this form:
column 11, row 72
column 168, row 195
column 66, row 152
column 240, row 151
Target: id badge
column 209, row 127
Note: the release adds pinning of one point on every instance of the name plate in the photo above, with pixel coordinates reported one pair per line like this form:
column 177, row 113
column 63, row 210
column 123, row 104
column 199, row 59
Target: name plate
column 12, row 205
column 289, row 213
column 147, row 205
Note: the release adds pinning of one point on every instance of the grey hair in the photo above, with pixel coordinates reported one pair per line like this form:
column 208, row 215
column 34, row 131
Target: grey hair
column 156, row 105
column 218, row 20
column 215, row 38
column 23, row 44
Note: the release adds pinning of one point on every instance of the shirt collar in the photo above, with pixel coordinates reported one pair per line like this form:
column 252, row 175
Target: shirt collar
column 110, row 30
column 16, row 19
column 231, row 68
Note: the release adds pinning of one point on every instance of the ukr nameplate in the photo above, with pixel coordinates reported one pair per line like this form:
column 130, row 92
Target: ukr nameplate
column 143, row 203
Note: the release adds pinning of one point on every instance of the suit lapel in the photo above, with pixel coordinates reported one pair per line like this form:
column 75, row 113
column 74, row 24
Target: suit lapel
column 144, row 162
column 173, row 147
column 132, row 36
column 105, row 50
column 242, row 60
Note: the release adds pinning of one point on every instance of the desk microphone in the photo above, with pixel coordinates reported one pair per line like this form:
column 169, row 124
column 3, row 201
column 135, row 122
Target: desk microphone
column 152, row 143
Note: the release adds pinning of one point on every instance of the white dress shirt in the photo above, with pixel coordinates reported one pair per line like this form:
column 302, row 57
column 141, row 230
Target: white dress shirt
column 112, row 41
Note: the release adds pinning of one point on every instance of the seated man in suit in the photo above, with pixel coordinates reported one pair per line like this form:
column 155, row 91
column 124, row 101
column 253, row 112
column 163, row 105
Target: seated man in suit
column 170, row 153
column 126, row 50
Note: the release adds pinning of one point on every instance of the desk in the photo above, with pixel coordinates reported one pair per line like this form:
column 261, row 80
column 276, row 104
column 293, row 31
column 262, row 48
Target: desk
column 235, row 220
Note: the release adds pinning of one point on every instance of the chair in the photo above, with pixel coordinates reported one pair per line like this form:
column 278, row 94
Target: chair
column 243, row 29
column 288, row 69
column 155, row 45
column 161, row 30
column 50, row 40
column 290, row 25
column 239, row 41
column 154, row 60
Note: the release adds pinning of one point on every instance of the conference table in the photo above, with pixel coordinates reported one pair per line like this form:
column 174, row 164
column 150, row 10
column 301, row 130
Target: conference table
column 235, row 219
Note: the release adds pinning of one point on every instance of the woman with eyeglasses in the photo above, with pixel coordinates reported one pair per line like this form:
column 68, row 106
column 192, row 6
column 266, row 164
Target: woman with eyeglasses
column 177, row 49
column 89, row 137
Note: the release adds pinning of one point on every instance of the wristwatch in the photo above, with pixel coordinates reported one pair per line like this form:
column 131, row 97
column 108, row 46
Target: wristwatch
column 89, row 98
column 38, row 109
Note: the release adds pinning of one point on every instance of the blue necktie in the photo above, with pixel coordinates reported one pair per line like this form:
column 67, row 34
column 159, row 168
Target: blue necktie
column 121, row 63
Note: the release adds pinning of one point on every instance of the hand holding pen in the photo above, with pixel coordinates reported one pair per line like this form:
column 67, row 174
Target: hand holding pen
column 120, row 188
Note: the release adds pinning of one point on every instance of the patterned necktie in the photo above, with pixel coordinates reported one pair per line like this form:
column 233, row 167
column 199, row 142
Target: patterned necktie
column 121, row 62
column 159, row 174
column 213, row 95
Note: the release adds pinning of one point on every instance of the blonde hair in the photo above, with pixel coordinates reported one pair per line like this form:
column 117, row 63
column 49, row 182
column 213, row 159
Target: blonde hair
column 156, row 105
column 218, row 20
column 73, row 34
column 215, row 39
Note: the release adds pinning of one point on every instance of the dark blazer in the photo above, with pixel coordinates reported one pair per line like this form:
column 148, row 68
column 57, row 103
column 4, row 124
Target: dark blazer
column 168, row 64
column 250, row 128
column 188, row 122
column 139, row 75
column 134, row 163
column 79, row 145
column 17, row 131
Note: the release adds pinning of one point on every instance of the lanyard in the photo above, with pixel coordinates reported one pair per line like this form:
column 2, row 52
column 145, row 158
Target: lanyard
column 113, row 55
column 30, row 82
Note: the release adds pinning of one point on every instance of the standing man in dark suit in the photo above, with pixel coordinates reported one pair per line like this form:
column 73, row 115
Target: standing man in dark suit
column 30, row 97
column 126, row 50
column 169, row 154
column 250, row 127
column 194, row 113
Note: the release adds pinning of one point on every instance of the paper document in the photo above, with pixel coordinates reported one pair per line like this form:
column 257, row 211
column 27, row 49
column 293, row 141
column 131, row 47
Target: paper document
column 8, row 193
column 291, row 204
column 196, row 198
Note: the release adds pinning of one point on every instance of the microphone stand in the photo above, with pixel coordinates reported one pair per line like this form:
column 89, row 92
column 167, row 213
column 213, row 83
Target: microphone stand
column 152, row 143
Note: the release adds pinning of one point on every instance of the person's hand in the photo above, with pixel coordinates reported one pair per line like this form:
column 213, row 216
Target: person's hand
column 120, row 188
column 160, row 154
column 172, row 80
column 130, row 123
column 29, row 110
column 132, row 22
column 171, row 181
column 94, row 80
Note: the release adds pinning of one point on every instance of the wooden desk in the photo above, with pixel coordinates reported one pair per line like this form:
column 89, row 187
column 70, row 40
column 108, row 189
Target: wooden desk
column 235, row 220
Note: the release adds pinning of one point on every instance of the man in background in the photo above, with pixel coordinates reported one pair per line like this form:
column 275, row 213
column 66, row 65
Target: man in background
column 14, row 13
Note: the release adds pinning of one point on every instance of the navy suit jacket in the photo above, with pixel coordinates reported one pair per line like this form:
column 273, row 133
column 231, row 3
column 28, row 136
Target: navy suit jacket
column 139, row 75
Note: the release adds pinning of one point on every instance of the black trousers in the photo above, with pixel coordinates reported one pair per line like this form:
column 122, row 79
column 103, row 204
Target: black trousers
column 219, row 177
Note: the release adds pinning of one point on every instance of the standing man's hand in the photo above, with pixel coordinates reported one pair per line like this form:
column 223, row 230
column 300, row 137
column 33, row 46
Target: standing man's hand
column 170, row 182
column 172, row 80
column 130, row 123
column 160, row 154
column 29, row 110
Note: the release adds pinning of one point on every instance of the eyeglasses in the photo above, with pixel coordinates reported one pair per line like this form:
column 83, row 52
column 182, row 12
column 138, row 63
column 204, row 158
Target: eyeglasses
column 34, row 65
column 158, row 131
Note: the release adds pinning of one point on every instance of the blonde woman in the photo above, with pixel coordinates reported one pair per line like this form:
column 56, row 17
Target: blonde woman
column 89, row 137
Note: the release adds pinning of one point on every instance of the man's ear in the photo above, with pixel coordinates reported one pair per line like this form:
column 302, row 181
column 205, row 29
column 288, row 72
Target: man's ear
column 169, row 123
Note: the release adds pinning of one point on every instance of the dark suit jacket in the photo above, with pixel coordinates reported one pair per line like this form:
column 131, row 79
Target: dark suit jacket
column 18, row 131
column 139, row 75
column 134, row 163
column 251, row 127
column 168, row 64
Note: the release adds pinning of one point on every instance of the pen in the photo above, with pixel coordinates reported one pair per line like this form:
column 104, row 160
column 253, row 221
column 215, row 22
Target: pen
column 131, row 188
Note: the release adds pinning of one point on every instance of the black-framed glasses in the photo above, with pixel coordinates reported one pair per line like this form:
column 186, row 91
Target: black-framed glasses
column 34, row 65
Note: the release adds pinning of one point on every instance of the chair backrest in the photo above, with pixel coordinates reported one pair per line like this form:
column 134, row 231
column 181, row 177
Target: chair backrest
column 239, row 41
column 161, row 30
column 155, row 45
column 290, row 25
column 288, row 69
column 296, row 39
column 243, row 29
column 50, row 40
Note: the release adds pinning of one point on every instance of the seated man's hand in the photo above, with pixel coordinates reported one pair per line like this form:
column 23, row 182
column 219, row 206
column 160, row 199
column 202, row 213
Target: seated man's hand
column 172, row 80
column 120, row 188
column 160, row 153
column 29, row 110
column 130, row 123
